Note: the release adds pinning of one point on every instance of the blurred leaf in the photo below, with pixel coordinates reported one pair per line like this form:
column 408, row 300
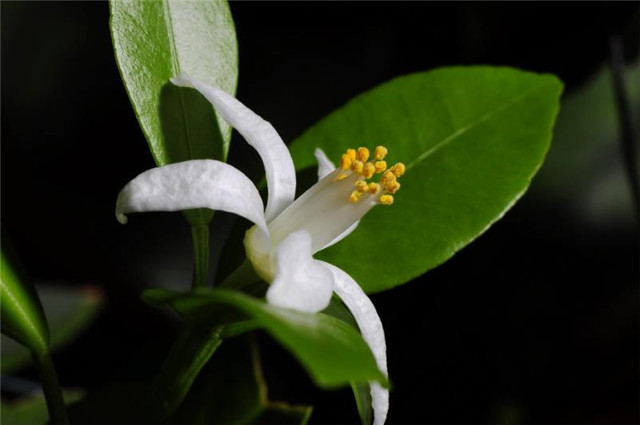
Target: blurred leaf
column 22, row 315
column 69, row 312
column 584, row 170
column 332, row 351
column 231, row 390
column 472, row 139
column 362, row 394
column 157, row 40
column 32, row 410
column 110, row 404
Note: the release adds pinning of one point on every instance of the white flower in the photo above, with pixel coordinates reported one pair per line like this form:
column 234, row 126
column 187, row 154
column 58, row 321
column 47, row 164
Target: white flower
column 287, row 233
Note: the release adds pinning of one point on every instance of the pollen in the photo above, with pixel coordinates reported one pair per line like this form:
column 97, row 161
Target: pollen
column 361, row 186
column 388, row 178
column 398, row 169
column 357, row 166
column 374, row 188
column 351, row 153
column 355, row 196
column 380, row 166
column 362, row 154
column 340, row 177
column 369, row 170
column 345, row 162
column 386, row 200
column 380, row 152
column 392, row 189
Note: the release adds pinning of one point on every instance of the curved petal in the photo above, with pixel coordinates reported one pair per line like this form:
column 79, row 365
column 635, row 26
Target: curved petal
column 279, row 169
column 325, row 166
column 301, row 283
column 202, row 183
column 372, row 332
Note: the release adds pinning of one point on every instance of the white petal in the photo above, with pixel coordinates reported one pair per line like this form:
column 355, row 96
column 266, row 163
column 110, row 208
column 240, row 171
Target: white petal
column 279, row 169
column 301, row 283
column 372, row 332
column 203, row 183
column 325, row 166
column 343, row 235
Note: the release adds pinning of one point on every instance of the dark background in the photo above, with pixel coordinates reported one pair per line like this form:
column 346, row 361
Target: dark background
column 535, row 322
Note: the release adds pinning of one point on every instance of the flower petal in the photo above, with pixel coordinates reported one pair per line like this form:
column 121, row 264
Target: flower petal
column 279, row 169
column 202, row 183
column 372, row 332
column 325, row 166
column 301, row 283
column 343, row 235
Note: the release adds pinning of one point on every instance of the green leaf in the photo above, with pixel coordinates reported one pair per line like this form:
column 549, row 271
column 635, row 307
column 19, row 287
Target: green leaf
column 22, row 315
column 157, row 40
column 332, row 351
column 69, row 312
column 32, row 410
column 232, row 390
column 472, row 139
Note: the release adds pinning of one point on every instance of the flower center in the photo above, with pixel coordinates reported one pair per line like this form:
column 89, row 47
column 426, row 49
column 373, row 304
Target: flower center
column 356, row 161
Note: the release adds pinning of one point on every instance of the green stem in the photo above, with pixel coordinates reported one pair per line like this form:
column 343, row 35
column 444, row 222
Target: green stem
column 51, row 388
column 200, row 236
column 242, row 277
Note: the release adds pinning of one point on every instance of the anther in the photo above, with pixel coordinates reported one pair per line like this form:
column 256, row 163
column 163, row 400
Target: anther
column 392, row 189
column 380, row 166
column 388, row 178
column 351, row 153
column 369, row 170
column 398, row 169
column 355, row 196
column 362, row 154
column 362, row 186
column 380, row 152
column 340, row 177
column 386, row 200
column 374, row 188
column 345, row 162
column 357, row 166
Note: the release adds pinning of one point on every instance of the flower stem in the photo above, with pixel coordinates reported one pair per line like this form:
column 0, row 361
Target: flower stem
column 200, row 236
column 51, row 388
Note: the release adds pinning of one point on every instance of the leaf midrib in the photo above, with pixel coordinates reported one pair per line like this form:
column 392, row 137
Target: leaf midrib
column 464, row 129
column 176, row 71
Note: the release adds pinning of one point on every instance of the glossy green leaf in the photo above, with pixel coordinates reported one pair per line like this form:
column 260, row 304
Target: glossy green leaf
column 472, row 139
column 157, row 40
column 22, row 315
column 232, row 390
column 32, row 410
column 69, row 312
column 332, row 351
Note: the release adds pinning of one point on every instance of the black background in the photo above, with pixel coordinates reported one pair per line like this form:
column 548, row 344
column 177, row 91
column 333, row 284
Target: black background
column 535, row 322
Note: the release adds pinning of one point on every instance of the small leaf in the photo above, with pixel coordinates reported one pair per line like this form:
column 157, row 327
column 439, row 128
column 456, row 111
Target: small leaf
column 231, row 390
column 332, row 351
column 472, row 139
column 69, row 312
column 22, row 315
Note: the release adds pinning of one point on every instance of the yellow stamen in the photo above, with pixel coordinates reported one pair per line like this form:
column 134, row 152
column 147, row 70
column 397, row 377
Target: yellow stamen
column 392, row 189
column 369, row 170
column 355, row 196
column 340, row 177
column 380, row 166
column 380, row 152
column 374, row 188
column 363, row 154
column 388, row 178
column 357, row 166
column 362, row 186
column 398, row 169
column 386, row 200
column 351, row 153
column 345, row 162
